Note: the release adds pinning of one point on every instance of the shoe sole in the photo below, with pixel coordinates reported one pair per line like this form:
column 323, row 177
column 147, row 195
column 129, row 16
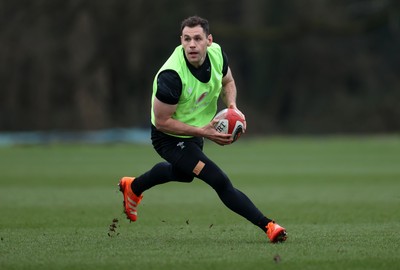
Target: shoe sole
column 122, row 189
column 281, row 237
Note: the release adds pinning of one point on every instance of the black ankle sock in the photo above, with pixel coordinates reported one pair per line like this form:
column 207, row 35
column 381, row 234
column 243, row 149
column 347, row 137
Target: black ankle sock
column 135, row 188
column 263, row 223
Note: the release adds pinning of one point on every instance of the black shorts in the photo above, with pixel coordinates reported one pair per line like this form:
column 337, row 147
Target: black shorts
column 183, row 153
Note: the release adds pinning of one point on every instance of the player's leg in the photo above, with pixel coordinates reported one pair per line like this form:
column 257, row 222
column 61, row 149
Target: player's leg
column 175, row 151
column 132, row 188
column 186, row 160
column 161, row 173
column 194, row 163
column 233, row 198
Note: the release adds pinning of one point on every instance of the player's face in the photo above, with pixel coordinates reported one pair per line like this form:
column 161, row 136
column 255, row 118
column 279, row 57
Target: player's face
column 195, row 43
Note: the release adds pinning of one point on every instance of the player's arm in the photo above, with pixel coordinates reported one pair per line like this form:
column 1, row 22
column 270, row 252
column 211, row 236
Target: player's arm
column 169, row 89
column 229, row 93
column 165, row 123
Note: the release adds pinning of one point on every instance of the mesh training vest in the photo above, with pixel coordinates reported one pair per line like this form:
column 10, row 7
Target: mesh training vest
column 197, row 104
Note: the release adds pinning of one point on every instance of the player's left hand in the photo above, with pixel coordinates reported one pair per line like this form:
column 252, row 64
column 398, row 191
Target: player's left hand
column 244, row 117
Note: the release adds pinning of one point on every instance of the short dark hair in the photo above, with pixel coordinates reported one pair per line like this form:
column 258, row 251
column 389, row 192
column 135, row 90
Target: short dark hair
column 195, row 21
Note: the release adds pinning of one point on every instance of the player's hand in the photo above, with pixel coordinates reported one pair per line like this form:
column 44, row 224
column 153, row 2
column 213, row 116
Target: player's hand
column 212, row 134
column 244, row 117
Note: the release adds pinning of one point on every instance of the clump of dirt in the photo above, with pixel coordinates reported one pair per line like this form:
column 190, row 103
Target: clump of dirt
column 112, row 229
column 277, row 258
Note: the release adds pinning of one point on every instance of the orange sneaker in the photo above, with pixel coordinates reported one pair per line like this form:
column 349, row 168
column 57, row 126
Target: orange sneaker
column 131, row 201
column 275, row 232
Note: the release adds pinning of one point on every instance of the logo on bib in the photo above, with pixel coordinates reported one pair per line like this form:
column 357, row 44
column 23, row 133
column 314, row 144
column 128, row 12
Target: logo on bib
column 202, row 96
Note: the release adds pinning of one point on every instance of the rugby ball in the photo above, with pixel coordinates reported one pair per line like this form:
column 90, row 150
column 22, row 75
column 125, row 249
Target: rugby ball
column 230, row 121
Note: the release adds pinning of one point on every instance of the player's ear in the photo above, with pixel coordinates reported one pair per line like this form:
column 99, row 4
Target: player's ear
column 209, row 40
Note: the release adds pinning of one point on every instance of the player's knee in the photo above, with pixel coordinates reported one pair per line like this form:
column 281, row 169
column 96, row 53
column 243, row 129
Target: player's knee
column 181, row 176
column 219, row 182
column 187, row 179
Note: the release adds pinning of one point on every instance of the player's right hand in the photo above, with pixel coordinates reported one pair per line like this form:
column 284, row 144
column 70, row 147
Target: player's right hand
column 212, row 134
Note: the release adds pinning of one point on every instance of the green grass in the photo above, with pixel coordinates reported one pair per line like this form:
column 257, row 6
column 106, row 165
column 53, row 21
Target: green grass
column 338, row 197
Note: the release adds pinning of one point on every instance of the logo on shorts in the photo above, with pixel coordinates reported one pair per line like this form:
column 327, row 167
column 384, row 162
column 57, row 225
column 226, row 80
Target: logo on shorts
column 181, row 145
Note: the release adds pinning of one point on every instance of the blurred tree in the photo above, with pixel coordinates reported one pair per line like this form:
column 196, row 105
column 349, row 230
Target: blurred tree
column 302, row 66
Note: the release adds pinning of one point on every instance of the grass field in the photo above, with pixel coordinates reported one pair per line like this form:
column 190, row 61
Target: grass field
column 338, row 197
